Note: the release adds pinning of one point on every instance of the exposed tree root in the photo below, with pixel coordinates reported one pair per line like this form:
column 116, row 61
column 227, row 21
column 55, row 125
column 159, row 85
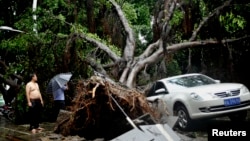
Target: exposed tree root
column 94, row 113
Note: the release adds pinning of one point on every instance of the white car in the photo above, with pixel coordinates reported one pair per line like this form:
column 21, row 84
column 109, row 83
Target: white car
column 197, row 96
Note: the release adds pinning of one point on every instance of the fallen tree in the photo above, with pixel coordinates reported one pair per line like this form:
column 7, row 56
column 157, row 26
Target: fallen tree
column 101, row 109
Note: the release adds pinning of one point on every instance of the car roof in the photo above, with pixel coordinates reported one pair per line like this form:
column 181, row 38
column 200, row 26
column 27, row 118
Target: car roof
column 178, row 76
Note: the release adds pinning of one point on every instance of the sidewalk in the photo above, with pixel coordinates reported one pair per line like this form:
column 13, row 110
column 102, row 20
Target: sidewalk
column 10, row 131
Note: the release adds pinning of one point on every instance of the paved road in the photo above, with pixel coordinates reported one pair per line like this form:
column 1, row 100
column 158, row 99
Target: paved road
column 203, row 127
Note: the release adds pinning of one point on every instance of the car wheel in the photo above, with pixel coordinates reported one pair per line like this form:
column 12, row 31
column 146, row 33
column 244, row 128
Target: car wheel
column 184, row 120
column 11, row 115
column 238, row 116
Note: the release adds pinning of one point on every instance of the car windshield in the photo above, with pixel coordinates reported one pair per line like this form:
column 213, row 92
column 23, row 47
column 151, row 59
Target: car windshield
column 192, row 81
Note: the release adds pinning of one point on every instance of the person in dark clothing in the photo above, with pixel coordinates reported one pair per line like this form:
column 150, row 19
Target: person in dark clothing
column 35, row 103
column 35, row 114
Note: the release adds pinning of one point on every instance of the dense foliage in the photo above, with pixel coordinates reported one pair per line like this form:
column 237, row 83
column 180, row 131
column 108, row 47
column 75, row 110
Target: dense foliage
column 70, row 36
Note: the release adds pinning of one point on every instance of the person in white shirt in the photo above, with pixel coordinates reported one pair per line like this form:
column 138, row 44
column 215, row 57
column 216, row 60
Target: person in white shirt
column 59, row 100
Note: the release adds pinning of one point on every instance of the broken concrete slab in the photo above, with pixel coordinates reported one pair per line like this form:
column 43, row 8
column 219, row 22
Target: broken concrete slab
column 171, row 121
column 133, row 135
column 146, row 119
column 160, row 132
column 156, row 132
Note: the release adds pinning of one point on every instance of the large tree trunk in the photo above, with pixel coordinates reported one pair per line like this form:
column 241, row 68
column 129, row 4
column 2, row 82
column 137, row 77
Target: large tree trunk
column 90, row 14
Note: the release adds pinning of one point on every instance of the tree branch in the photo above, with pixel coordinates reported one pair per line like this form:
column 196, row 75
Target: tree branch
column 102, row 46
column 215, row 12
column 96, row 66
column 9, row 81
column 2, row 63
column 190, row 44
column 158, row 55
column 130, row 41
column 149, row 50
column 169, row 7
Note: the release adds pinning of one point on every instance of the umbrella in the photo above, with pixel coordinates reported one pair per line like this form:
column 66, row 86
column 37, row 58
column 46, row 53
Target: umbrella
column 58, row 81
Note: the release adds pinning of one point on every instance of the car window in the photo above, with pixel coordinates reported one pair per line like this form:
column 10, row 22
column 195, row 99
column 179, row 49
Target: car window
column 159, row 85
column 192, row 81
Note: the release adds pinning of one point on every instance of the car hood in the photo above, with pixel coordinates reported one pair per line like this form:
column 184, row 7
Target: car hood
column 212, row 88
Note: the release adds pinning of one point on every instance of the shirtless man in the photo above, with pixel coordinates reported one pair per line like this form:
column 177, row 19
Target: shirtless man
column 35, row 103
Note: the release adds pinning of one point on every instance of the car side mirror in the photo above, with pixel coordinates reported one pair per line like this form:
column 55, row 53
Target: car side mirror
column 217, row 81
column 161, row 91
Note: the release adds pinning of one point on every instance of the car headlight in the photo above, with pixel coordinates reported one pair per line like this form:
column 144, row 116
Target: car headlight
column 244, row 89
column 195, row 96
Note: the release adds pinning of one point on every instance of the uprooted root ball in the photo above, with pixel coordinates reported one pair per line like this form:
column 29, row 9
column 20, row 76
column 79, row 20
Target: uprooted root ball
column 95, row 114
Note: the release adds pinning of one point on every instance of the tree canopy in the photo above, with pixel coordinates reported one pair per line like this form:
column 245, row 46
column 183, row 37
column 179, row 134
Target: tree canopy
column 132, row 42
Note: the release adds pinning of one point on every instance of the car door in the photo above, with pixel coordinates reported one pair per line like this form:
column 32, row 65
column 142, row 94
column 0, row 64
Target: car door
column 159, row 91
